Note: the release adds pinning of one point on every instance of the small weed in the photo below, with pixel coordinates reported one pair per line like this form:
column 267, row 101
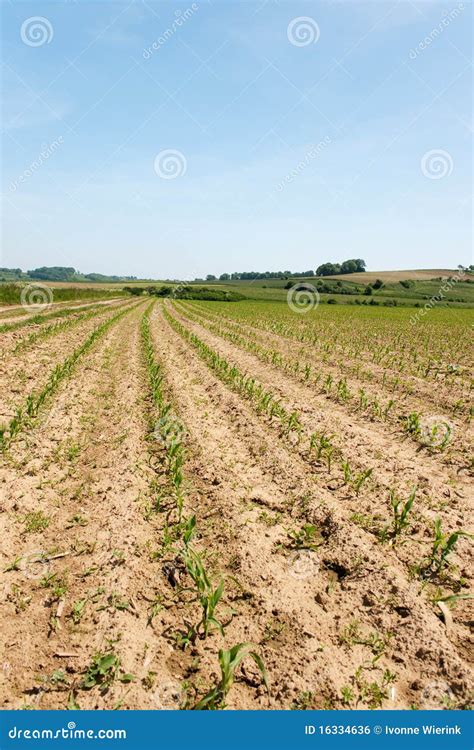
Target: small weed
column 14, row 565
column 303, row 701
column 78, row 610
column 102, row 671
column 35, row 522
column 304, row 538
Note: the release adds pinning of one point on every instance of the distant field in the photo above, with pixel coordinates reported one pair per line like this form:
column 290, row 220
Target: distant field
column 52, row 292
column 391, row 277
column 346, row 290
column 407, row 288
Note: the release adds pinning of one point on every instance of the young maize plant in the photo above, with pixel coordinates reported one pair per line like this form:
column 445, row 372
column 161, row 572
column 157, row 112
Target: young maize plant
column 229, row 662
column 208, row 595
column 355, row 481
column 412, row 424
column 400, row 516
column 443, row 546
column 360, row 479
column 170, row 430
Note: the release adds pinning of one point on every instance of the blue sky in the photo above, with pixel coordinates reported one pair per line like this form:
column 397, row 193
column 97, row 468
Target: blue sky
column 241, row 93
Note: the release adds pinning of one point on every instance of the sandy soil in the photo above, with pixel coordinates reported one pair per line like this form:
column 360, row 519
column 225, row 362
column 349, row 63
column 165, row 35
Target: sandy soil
column 87, row 569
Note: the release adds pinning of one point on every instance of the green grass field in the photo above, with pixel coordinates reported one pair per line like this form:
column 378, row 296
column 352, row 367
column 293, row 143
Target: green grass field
column 444, row 288
column 417, row 292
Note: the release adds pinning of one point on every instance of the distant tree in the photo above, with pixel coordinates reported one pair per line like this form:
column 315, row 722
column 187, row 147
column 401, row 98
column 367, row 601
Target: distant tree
column 328, row 269
column 210, row 277
column 378, row 284
column 349, row 266
column 135, row 291
column 224, row 277
column 53, row 273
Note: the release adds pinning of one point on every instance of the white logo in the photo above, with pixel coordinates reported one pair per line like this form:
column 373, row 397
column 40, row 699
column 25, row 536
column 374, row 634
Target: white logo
column 303, row 31
column 435, row 432
column 35, row 565
column 170, row 164
column 36, row 297
column 436, row 695
column 36, row 31
column 170, row 696
column 303, row 564
column 436, row 164
column 302, row 298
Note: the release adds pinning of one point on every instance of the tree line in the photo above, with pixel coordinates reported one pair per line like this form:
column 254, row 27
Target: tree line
column 353, row 265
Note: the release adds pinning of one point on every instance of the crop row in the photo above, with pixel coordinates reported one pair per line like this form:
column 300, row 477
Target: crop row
column 166, row 429
column 360, row 346
column 25, row 320
column 34, row 401
column 46, row 332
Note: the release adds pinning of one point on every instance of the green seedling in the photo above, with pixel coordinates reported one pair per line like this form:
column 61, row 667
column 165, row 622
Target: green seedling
column 412, row 424
column 229, row 662
column 209, row 597
column 400, row 512
column 443, row 546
